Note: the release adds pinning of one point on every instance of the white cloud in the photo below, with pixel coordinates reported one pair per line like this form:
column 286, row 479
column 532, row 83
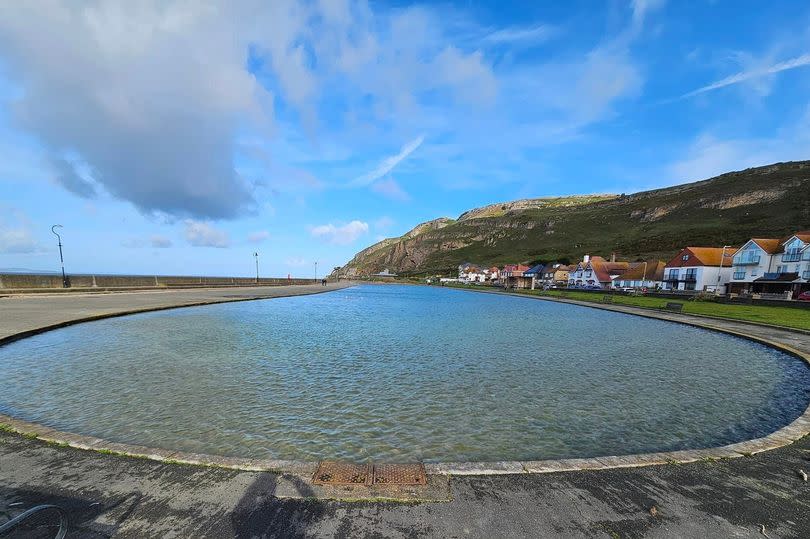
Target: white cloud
column 160, row 242
column 16, row 234
column 523, row 34
column 165, row 80
column 388, row 164
column 710, row 154
column 753, row 74
column 642, row 8
column 296, row 262
column 388, row 187
column 258, row 236
column 202, row 234
column 340, row 235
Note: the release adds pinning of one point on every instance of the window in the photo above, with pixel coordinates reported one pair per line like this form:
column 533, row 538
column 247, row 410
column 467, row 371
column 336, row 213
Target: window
column 739, row 275
column 685, row 257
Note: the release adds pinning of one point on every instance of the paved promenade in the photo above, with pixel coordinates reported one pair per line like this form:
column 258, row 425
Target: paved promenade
column 107, row 495
column 25, row 312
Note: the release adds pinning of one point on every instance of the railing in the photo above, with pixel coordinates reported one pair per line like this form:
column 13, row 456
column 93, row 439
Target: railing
column 738, row 275
column 690, row 277
column 792, row 256
column 746, row 260
column 806, row 254
column 671, row 276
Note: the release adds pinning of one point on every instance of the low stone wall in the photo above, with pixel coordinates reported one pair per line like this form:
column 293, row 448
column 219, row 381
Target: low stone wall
column 20, row 281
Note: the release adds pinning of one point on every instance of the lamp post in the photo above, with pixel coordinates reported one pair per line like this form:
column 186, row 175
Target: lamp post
column 720, row 270
column 644, row 277
column 256, row 256
column 61, row 259
column 316, row 271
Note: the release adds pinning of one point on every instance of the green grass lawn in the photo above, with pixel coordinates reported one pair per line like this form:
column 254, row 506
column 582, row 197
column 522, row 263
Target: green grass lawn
column 780, row 316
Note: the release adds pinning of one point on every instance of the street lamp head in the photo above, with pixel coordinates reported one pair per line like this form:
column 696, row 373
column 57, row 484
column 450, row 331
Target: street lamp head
column 56, row 226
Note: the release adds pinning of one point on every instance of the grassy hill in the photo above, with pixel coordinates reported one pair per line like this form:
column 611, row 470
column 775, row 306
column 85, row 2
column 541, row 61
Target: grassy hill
column 769, row 201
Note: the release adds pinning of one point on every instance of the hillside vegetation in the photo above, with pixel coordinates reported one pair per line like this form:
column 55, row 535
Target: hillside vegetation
column 769, row 201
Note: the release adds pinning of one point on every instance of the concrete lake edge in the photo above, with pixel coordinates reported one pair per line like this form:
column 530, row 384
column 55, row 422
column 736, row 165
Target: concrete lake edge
column 786, row 435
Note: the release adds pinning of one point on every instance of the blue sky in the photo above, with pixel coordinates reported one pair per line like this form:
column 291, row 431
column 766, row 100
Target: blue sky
column 180, row 137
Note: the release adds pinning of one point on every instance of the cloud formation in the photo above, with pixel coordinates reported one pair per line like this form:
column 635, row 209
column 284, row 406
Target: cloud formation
column 518, row 34
column 259, row 236
column 340, row 235
column 148, row 94
column 160, row 242
column 201, row 234
column 388, row 164
column 67, row 177
column 16, row 234
column 754, row 73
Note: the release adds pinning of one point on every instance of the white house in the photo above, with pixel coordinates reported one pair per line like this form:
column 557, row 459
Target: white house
column 792, row 268
column 595, row 271
column 471, row 273
column 701, row 269
column 756, row 258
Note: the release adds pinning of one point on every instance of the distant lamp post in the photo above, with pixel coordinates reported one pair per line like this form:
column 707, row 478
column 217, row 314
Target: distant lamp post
column 316, row 271
column 256, row 256
column 61, row 259
column 644, row 277
column 720, row 270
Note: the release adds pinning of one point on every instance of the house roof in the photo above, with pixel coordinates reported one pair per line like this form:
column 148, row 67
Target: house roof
column 519, row 268
column 534, row 270
column 803, row 235
column 769, row 245
column 653, row 272
column 604, row 269
column 703, row 256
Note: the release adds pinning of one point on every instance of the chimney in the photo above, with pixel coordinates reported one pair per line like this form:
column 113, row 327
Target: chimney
column 613, row 257
column 585, row 259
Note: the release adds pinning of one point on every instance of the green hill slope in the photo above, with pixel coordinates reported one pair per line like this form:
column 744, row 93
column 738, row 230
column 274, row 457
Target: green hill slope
column 769, row 201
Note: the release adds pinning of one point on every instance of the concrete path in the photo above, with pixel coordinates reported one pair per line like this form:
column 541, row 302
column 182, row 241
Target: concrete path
column 109, row 495
column 19, row 313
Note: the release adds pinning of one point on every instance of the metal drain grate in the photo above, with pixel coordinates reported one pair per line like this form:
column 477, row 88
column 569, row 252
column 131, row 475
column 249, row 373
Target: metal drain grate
column 399, row 474
column 342, row 473
column 347, row 473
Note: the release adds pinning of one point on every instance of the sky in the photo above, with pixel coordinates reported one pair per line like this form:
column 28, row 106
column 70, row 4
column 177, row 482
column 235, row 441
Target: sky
column 181, row 137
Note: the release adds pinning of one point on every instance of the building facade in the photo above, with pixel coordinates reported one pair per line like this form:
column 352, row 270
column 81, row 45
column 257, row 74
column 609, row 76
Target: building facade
column 700, row 269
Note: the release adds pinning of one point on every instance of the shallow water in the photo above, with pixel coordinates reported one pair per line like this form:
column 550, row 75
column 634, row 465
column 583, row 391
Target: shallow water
column 401, row 373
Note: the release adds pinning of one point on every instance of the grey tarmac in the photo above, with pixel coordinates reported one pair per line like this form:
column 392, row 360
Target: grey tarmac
column 108, row 495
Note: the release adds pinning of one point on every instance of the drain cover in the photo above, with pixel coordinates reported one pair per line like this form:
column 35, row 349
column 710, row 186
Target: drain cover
column 399, row 474
column 342, row 473
column 348, row 473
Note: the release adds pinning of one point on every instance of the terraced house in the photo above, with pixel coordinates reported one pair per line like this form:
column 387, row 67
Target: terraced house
column 556, row 274
column 704, row 269
column 512, row 276
column 772, row 266
column 595, row 271
column 646, row 274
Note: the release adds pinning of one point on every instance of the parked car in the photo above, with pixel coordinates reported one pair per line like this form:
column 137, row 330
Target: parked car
column 804, row 296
